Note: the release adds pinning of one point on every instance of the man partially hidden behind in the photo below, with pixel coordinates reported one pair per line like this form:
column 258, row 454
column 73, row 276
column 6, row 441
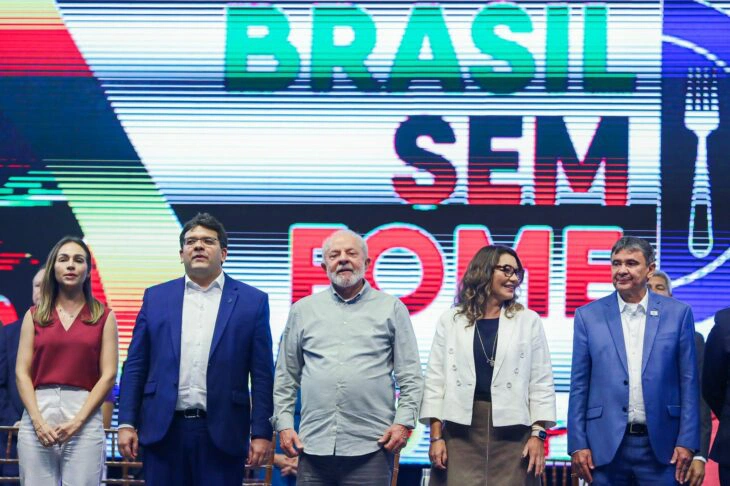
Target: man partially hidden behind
column 662, row 285
column 343, row 346
column 633, row 415
column 184, row 388
column 11, row 406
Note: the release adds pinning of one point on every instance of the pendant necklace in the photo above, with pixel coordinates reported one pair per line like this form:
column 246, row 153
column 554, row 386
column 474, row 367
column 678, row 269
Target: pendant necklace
column 68, row 315
column 494, row 347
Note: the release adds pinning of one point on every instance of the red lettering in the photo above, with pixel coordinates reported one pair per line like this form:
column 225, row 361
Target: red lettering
column 580, row 271
column 427, row 251
column 469, row 240
column 305, row 273
column 534, row 247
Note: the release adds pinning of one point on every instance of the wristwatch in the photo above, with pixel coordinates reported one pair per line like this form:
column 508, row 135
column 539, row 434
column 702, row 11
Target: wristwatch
column 540, row 434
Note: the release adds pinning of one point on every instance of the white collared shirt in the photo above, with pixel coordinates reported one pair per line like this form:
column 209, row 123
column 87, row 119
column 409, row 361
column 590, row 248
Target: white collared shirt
column 200, row 310
column 633, row 323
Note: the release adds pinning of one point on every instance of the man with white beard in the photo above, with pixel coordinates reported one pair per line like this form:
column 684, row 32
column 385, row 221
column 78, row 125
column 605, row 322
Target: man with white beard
column 343, row 347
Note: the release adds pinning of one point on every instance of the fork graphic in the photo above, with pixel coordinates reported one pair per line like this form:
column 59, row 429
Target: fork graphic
column 701, row 115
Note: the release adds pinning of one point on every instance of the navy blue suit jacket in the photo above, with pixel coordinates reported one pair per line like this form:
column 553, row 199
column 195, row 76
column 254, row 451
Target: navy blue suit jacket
column 11, row 407
column 715, row 377
column 599, row 391
column 241, row 347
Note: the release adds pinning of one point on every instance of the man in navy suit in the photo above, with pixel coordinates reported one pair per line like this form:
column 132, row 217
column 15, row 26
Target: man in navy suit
column 11, row 407
column 715, row 377
column 633, row 415
column 184, row 391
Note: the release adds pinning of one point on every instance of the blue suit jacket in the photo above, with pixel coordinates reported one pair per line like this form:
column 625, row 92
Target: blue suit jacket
column 599, row 392
column 11, row 406
column 241, row 347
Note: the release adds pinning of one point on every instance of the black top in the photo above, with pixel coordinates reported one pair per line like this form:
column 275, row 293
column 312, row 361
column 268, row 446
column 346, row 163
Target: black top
column 487, row 330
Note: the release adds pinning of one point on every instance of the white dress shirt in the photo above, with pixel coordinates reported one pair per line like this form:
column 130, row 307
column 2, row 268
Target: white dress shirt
column 200, row 310
column 633, row 323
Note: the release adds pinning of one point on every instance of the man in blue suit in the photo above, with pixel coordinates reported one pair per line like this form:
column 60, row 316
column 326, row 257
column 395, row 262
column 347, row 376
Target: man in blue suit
column 11, row 407
column 184, row 390
column 633, row 415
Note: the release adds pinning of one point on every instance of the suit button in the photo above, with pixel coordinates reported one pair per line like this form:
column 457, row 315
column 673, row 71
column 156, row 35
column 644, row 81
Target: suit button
column 626, row 382
column 624, row 409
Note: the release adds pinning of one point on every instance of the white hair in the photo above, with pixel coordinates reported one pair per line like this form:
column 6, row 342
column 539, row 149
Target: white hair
column 327, row 243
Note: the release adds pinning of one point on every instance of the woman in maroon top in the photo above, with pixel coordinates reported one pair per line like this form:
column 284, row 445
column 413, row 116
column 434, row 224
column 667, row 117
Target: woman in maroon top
column 67, row 363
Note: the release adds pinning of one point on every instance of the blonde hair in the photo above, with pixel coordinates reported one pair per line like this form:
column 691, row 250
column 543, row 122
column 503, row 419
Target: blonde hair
column 43, row 314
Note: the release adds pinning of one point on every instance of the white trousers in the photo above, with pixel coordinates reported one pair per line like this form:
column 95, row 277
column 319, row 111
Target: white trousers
column 79, row 461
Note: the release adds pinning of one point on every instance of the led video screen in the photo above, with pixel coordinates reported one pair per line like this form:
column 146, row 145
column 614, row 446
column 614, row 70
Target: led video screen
column 430, row 128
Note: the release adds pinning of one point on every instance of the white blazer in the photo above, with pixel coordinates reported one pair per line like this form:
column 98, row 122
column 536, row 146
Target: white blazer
column 522, row 382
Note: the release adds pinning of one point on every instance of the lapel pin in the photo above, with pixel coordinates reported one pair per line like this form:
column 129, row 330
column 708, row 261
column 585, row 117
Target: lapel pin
column 654, row 313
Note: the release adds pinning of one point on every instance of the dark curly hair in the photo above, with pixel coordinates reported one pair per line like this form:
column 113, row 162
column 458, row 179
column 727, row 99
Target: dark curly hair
column 476, row 284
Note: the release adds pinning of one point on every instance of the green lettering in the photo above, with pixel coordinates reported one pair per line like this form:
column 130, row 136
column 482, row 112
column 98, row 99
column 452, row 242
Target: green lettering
column 426, row 22
column 275, row 44
column 556, row 61
column 520, row 60
column 596, row 78
column 326, row 56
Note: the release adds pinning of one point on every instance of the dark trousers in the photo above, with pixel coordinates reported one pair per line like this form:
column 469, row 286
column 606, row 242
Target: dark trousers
column 634, row 464
column 186, row 456
column 724, row 475
column 373, row 469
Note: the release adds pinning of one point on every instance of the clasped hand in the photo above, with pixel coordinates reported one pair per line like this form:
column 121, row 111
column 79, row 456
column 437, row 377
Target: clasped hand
column 49, row 436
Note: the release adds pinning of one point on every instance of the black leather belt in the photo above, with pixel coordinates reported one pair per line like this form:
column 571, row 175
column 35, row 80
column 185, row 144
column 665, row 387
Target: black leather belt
column 190, row 413
column 637, row 429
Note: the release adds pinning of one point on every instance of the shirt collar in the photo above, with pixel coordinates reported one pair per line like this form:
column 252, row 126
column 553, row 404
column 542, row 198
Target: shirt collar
column 217, row 283
column 363, row 290
column 624, row 306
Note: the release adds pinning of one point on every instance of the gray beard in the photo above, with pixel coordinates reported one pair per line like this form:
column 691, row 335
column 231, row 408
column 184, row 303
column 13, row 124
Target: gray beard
column 346, row 282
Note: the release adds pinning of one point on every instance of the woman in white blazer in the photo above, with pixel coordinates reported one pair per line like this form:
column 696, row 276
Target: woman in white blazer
column 489, row 391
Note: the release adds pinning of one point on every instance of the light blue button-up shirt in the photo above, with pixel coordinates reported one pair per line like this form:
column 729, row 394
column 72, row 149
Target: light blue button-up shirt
column 347, row 357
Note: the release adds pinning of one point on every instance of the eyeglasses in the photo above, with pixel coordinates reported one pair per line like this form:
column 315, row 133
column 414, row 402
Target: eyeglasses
column 509, row 270
column 207, row 241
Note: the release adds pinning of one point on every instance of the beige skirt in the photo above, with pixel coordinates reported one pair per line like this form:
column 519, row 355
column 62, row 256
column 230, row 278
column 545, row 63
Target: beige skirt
column 481, row 454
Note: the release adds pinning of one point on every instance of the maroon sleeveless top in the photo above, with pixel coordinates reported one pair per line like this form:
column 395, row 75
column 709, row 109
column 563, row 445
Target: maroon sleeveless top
column 68, row 357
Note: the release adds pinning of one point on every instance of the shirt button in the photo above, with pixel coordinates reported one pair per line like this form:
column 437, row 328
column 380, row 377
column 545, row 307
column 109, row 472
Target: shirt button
column 458, row 383
column 517, row 371
column 453, row 367
column 522, row 355
column 451, row 350
column 509, row 385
